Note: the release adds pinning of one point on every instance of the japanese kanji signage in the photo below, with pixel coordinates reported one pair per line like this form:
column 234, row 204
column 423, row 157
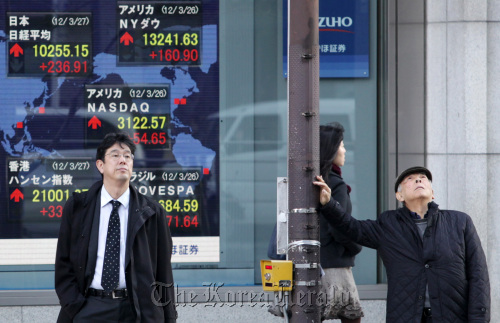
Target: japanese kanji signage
column 344, row 40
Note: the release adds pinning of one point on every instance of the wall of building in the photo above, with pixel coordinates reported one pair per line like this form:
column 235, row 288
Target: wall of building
column 194, row 304
column 440, row 109
column 374, row 313
column 462, row 140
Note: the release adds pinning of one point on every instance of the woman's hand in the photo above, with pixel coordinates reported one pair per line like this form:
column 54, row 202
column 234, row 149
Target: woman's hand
column 325, row 193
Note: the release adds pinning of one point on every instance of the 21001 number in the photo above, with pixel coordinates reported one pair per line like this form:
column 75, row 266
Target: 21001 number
column 52, row 195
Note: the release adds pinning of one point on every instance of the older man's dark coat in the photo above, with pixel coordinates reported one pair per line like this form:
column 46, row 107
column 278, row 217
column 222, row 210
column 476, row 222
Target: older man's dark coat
column 148, row 270
column 449, row 260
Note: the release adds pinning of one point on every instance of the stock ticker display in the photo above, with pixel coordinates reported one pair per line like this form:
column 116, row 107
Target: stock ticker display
column 73, row 71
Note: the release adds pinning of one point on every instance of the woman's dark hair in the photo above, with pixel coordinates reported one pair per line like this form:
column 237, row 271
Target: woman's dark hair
column 109, row 140
column 330, row 137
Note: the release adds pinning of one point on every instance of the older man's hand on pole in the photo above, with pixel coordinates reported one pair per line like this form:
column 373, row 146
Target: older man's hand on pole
column 325, row 191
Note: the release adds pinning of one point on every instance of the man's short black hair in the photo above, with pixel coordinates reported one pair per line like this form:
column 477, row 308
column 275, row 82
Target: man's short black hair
column 112, row 138
column 409, row 171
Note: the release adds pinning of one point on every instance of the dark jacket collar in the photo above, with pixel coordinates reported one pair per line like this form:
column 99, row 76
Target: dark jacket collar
column 91, row 194
column 137, row 201
column 431, row 206
column 87, row 197
column 433, row 209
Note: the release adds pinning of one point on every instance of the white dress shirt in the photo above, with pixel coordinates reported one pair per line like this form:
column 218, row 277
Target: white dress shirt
column 106, row 208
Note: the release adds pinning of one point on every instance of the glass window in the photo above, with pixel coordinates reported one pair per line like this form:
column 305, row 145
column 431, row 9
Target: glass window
column 204, row 99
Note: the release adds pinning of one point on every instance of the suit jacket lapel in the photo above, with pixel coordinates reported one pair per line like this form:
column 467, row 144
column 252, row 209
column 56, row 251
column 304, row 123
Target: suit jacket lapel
column 94, row 240
column 137, row 215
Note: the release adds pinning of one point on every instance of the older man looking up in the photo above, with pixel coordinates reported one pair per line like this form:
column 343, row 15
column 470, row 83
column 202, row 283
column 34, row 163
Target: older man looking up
column 436, row 267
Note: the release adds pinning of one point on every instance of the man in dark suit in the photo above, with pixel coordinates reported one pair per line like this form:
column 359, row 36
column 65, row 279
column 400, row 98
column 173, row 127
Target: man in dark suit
column 436, row 266
column 114, row 248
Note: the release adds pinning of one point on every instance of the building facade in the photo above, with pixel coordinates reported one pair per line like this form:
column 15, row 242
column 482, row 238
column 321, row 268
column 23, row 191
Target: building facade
column 429, row 99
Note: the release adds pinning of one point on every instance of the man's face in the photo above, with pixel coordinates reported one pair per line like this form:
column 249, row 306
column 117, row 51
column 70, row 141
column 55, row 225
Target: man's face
column 415, row 187
column 115, row 166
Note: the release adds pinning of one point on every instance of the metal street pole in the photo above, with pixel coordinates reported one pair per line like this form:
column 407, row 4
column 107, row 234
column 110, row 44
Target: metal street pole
column 303, row 158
